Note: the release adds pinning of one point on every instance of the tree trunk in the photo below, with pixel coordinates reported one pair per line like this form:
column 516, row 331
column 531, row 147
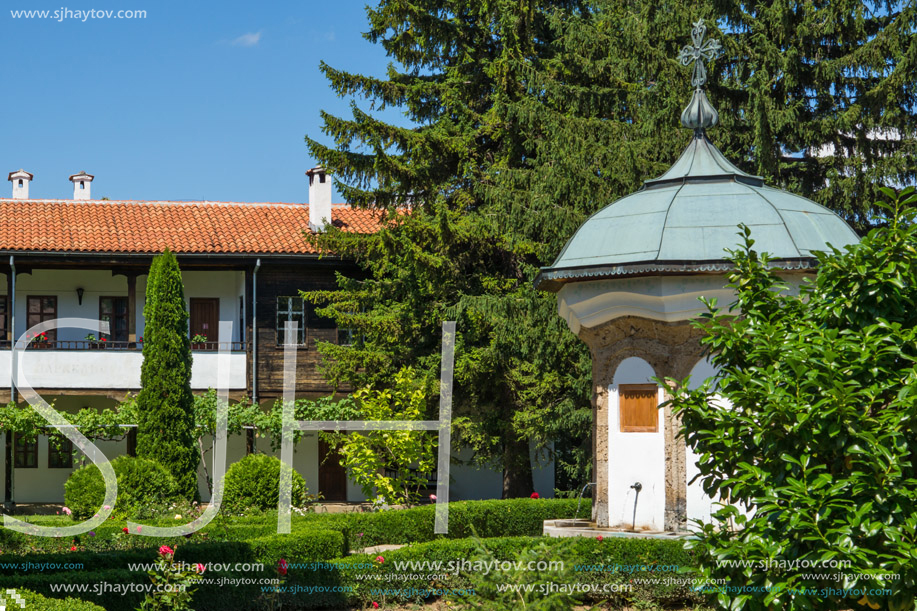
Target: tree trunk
column 517, row 467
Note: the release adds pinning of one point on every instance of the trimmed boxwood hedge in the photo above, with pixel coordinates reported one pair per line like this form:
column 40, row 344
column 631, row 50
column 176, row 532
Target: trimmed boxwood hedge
column 315, row 537
column 37, row 602
column 586, row 552
column 299, row 547
column 492, row 518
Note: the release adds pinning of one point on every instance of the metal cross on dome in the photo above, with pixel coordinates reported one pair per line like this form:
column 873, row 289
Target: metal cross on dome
column 698, row 52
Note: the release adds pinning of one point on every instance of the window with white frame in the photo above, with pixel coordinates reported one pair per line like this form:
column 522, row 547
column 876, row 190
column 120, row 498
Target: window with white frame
column 291, row 309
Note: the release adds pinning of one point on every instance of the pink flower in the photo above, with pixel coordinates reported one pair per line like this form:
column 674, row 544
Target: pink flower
column 200, row 568
column 282, row 566
column 106, row 507
column 380, row 559
column 138, row 528
column 66, row 510
column 165, row 550
column 535, row 495
column 432, row 497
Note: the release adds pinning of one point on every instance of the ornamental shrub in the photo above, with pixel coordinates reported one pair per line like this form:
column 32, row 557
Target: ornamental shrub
column 37, row 602
column 254, row 483
column 489, row 518
column 819, row 445
column 165, row 427
column 141, row 482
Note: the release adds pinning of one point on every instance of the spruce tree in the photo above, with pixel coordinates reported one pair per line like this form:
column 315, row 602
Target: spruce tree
column 165, row 428
column 525, row 118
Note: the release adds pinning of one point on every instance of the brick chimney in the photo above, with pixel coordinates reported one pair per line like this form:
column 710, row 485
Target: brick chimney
column 20, row 180
column 81, row 183
column 319, row 198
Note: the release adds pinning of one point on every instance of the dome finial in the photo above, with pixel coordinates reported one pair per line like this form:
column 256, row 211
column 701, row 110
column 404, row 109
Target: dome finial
column 699, row 114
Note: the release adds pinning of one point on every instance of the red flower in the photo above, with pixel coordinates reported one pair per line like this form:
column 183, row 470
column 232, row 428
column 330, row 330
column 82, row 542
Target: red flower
column 73, row 548
column 375, row 605
column 599, row 537
column 104, row 340
column 380, row 559
column 535, row 495
column 282, row 566
column 200, row 568
column 124, row 530
column 165, row 550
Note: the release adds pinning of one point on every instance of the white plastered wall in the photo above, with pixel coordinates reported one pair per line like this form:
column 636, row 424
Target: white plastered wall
column 635, row 457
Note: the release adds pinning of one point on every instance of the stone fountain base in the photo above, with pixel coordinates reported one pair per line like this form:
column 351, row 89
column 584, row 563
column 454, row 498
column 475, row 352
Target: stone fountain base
column 585, row 528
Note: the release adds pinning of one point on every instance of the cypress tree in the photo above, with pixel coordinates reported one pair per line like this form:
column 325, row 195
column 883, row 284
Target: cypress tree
column 165, row 430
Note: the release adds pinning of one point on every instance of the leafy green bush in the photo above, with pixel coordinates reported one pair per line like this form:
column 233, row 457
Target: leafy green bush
column 141, row 482
column 821, row 436
column 389, row 464
column 254, row 483
column 37, row 602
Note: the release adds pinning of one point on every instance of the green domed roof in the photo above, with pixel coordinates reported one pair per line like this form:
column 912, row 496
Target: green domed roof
column 683, row 221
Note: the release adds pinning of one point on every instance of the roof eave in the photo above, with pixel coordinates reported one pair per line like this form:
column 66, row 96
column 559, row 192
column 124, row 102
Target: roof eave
column 553, row 279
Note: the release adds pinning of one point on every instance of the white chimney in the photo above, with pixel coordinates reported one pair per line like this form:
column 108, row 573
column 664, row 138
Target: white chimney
column 20, row 180
column 319, row 198
column 81, row 183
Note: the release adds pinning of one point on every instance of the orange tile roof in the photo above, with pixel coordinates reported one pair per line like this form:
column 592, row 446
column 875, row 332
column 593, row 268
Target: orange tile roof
column 151, row 226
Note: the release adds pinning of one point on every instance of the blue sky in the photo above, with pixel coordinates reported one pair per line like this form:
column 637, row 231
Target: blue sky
column 195, row 101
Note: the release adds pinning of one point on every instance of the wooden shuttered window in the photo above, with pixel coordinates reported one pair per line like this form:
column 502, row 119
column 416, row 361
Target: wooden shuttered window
column 638, row 408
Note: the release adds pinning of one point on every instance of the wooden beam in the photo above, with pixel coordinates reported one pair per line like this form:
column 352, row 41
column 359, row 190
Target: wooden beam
column 132, row 307
column 8, row 471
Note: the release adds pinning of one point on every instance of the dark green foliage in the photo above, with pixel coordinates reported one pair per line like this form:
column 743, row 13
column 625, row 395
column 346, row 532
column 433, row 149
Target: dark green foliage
column 497, row 518
column 528, row 117
column 165, row 405
column 254, row 483
column 584, row 560
column 298, row 547
column 315, row 537
column 516, row 517
column 520, row 376
column 141, row 483
column 822, row 434
column 837, row 78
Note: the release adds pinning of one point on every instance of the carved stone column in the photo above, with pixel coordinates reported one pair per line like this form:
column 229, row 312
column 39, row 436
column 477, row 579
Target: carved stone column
column 672, row 350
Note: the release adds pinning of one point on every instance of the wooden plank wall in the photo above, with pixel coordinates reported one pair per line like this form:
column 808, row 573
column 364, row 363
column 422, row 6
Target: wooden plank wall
column 287, row 280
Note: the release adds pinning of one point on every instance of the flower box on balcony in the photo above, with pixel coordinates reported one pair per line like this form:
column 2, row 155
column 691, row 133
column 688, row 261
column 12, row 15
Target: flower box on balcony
column 40, row 342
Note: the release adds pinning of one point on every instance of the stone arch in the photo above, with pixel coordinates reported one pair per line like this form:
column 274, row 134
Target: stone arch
column 671, row 350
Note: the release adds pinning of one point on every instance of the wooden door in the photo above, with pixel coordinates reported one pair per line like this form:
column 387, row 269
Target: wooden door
column 332, row 477
column 205, row 316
